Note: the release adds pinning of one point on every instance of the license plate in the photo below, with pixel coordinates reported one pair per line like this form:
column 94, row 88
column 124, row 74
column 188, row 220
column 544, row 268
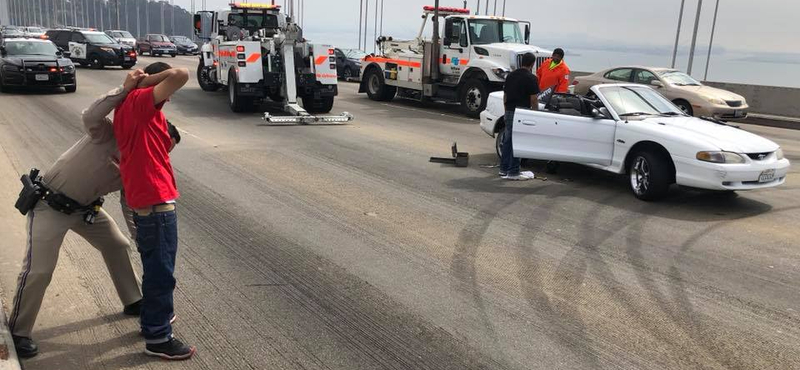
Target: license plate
column 42, row 78
column 738, row 113
column 767, row 176
column 127, row 58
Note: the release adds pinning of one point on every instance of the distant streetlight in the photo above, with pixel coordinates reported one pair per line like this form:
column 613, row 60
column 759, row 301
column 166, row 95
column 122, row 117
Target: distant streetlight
column 711, row 41
column 678, row 34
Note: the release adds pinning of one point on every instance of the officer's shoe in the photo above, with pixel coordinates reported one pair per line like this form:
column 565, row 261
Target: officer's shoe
column 133, row 309
column 26, row 347
column 173, row 349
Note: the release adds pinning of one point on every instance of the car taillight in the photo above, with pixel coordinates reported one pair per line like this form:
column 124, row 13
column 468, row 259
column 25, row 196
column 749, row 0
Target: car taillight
column 53, row 69
column 133, row 53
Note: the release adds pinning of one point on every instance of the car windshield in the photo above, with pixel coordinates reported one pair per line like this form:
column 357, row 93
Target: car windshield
column 181, row 39
column 12, row 32
column 35, row 30
column 123, row 34
column 159, row 38
column 678, row 78
column 98, row 38
column 631, row 101
column 30, row 48
column 354, row 54
column 490, row 31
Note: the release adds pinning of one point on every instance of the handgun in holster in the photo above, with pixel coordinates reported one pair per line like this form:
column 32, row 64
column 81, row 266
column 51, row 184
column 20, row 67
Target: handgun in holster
column 31, row 192
column 94, row 209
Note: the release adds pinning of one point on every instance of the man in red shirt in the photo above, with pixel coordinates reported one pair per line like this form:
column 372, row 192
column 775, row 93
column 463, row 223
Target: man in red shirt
column 144, row 144
column 554, row 73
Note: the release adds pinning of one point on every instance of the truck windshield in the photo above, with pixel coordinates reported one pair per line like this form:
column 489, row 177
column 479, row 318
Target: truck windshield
column 490, row 31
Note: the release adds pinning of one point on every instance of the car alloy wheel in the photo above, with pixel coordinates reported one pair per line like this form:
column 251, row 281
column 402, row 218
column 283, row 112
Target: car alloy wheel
column 498, row 142
column 640, row 176
column 347, row 74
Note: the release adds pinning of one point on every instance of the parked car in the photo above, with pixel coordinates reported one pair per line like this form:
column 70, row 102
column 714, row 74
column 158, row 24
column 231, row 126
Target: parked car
column 348, row 63
column 34, row 62
column 33, row 32
column 184, row 45
column 694, row 98
column 632, row 129
column 11, row 33
column 156, row 45
column 92, row 48
column 122, row 37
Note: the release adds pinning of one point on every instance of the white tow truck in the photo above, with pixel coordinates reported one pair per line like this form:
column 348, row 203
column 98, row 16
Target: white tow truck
column 258, row 52
column 471, row 61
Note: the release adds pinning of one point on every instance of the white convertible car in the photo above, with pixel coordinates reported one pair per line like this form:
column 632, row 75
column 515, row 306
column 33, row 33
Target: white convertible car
column 632, row 129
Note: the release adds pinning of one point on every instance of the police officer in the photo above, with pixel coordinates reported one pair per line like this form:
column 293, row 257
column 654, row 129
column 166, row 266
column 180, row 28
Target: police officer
column 71, row 193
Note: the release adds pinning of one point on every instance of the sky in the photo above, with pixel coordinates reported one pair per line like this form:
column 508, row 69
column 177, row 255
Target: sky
column 748, row 26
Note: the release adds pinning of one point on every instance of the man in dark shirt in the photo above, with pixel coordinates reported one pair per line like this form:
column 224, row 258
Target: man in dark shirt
column 520, row 91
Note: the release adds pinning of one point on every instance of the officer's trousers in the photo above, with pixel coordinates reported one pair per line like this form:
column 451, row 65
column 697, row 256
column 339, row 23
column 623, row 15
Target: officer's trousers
column 46, row 231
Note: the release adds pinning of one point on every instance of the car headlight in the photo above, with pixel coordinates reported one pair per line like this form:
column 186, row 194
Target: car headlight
column 779, row 154
column 715, row 100
column 109, row 50
column 720, row 157
column 500, row 72
column 12, row 68
column 69, row 69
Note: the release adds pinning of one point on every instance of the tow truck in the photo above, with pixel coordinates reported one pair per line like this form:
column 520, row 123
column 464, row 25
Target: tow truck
column 471, row 61
column 258, row 52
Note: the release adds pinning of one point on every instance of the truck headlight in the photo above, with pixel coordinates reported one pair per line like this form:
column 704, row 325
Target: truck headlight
column 500, row 72
column 720, row 157
column 779, row 154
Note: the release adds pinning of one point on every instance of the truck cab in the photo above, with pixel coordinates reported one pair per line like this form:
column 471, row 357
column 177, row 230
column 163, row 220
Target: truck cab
column 475, row 54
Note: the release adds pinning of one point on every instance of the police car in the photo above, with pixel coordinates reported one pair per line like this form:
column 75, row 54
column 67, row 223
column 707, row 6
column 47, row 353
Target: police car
column 92, row 48
column 34, row 62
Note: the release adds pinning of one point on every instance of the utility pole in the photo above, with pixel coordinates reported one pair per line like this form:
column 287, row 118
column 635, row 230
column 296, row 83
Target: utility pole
column 375, row 29
column 694, row 37
column 162, row 17
column 138, row 21
column 147, row 16
column 360, row 19
column 381, row 32
column 102, row 18
column 678, row 34
column 118, row 24
column 172, row 16
column 436, row 43
column 74, row 14
column 711, row 41
column 127, row 19
column 486, row 12
column 478, row 8
column 495, row 8
column 366, row 24
column 504, row 8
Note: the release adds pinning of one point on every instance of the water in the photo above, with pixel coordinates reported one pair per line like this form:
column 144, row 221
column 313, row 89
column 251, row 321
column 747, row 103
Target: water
column 726, row 67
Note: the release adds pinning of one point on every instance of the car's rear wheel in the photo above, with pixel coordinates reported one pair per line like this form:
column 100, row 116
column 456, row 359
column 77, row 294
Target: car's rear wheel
column 684, row 106
column 649, row 175
column 95, row 62
column 71, row 88
column 347, row 74
column 498, row 141
column 3, row 87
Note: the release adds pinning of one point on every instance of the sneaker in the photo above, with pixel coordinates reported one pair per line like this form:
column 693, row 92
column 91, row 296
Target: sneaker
column 528, row 174
column 502, row 173
column 26, row 347
column 515, row 177
column 173, row 349
column 133, row 309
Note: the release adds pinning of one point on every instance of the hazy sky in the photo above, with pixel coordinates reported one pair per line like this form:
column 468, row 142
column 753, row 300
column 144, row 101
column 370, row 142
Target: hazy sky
column 747, row 25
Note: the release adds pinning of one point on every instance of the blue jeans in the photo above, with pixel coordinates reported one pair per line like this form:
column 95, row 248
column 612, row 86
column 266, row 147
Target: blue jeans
column 157, row 239
column 508, row 164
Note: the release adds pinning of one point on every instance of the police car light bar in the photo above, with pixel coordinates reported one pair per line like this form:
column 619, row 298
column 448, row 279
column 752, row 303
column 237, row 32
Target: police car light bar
column 254, row 6
column 446, row 9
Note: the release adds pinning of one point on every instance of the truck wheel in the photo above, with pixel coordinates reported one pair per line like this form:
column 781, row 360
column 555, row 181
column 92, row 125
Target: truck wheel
column 649, row 174
column 204, row 80
column 238, row 103
column 321, row 105
column 376, row 86
column 473, row 97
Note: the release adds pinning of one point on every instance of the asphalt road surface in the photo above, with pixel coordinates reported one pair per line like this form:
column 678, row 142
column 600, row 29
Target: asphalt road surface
column 342, row 247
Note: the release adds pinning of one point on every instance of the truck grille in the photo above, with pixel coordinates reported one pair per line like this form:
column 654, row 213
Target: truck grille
column 539, row 61
column 734, row 103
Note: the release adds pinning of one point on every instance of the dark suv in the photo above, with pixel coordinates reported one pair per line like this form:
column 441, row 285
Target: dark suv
column 92, row 48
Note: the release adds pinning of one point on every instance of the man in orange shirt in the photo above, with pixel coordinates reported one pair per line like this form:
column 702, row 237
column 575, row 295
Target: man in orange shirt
column 554, row 73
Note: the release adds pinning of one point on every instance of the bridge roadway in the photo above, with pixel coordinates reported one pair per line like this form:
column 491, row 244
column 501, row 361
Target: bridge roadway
column 343, row 248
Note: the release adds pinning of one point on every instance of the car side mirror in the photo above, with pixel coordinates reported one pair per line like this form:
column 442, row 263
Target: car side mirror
column 601, row 113
column 657, row 83
column 3, row 50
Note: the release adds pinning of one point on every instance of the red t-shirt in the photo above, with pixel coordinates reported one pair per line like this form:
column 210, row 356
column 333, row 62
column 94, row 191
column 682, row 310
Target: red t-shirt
column 144, row 142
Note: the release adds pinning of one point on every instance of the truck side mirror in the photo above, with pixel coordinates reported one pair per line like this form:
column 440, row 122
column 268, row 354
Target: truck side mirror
column 2, row 50
column 203, row 24
column 527, row 33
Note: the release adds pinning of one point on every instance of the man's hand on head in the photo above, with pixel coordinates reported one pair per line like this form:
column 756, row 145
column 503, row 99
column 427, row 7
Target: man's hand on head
column 132, row 79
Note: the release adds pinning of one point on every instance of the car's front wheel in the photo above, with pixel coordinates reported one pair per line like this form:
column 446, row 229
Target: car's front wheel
column 649, row 175
column 498, row 141
column 684, row 106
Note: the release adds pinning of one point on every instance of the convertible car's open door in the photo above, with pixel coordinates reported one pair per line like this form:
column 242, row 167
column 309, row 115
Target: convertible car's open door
column 562, row 137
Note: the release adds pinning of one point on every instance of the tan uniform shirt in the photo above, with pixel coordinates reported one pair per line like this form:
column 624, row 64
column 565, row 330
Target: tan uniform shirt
column 90, row 168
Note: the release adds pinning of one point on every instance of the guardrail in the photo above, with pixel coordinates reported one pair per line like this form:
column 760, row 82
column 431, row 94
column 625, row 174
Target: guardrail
column 769, row 100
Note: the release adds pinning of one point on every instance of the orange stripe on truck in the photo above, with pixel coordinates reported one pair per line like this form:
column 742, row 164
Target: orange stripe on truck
column 399, row 62
column 320, row 60
column 253, row 57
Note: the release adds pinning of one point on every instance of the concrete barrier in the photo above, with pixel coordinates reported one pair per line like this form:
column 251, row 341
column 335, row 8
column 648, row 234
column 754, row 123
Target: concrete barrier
column 770, row 100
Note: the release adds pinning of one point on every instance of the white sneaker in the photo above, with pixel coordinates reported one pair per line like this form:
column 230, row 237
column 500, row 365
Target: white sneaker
column 516, row 177
column 528, row 174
